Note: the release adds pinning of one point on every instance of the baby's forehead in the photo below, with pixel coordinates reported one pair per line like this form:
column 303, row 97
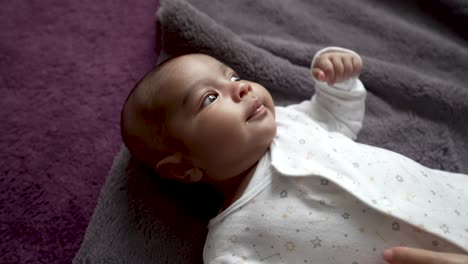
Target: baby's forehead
column 185, row 69
column 194, row 59
column 168, row 81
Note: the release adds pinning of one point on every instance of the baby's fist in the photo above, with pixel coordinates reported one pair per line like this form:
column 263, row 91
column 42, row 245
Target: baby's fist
column 336, row 66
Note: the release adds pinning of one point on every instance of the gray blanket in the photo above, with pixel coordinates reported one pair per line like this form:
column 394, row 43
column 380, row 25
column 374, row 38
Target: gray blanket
column 415, row 69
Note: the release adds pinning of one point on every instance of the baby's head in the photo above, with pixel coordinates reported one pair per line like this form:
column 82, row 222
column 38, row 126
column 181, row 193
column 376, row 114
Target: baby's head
column 192, row 118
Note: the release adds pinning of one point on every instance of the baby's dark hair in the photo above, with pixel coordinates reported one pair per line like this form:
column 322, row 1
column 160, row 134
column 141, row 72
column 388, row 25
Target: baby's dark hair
column 144, row 132
column 143, row 120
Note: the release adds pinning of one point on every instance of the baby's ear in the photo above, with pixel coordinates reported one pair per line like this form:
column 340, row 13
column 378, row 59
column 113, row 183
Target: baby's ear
column 176, row 167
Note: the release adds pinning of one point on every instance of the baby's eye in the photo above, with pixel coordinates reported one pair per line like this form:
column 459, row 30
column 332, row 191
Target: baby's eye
column 209, row 99
column 235, row 78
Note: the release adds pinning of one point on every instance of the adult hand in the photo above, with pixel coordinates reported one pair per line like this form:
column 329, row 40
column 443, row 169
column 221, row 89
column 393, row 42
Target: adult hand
column 405, row 255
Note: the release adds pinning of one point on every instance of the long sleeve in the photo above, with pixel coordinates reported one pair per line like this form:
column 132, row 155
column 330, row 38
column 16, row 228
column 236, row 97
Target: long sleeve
column 339, row 108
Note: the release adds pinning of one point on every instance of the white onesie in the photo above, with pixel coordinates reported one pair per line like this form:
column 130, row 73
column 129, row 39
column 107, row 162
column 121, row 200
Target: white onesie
column 319, row 197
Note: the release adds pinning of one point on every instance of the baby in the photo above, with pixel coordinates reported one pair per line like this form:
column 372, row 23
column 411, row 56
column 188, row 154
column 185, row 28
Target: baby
column 296, row 187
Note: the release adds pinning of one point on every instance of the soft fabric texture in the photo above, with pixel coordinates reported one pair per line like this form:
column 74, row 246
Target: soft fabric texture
column 65, row 69
column 415, row 62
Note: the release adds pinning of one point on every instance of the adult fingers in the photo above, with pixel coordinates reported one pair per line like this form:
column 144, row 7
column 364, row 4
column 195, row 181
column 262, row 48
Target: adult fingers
column 404, row 255
column 401, row 255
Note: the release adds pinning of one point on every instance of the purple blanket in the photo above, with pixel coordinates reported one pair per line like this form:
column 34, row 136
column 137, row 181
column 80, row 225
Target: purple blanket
column 65, row 69
column 415, row 57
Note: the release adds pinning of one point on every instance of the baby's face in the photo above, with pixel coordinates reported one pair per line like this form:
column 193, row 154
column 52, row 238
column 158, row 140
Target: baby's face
column 226, row 123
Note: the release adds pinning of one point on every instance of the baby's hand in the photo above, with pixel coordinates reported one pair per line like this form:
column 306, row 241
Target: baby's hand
column 336, row 66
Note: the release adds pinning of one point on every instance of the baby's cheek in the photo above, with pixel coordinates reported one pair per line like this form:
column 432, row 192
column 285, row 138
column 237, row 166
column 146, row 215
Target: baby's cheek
column 225, row 135
column 216, row 134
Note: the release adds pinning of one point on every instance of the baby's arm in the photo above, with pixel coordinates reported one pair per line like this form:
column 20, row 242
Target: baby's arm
column 339, row 101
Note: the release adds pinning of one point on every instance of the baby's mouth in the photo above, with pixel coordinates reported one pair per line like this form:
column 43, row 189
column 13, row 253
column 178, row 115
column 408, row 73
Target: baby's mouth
column 256, row 110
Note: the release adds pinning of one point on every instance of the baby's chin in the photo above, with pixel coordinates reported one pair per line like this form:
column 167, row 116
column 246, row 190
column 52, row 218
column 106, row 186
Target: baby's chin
column 259, row 152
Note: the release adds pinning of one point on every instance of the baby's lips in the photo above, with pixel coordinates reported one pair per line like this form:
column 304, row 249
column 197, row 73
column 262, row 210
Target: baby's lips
column 255, row 105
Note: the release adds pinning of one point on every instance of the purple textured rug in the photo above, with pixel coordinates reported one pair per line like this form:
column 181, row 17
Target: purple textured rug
column 65, row 69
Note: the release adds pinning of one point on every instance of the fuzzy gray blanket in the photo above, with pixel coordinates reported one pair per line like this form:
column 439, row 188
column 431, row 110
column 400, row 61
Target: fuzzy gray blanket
column 415, row 70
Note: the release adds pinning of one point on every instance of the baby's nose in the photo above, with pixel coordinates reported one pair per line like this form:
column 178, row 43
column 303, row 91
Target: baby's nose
column 240, row 90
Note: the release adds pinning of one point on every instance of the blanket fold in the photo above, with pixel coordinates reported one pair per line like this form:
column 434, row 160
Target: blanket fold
column 415, row 71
